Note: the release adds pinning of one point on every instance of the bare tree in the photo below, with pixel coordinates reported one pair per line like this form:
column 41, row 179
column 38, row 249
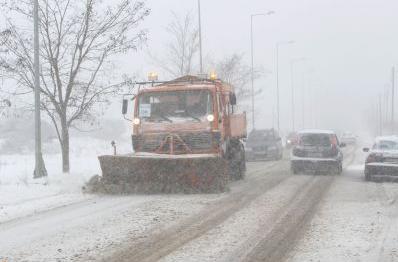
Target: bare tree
column 233, row 70
column 182, row 48
column 79, row 39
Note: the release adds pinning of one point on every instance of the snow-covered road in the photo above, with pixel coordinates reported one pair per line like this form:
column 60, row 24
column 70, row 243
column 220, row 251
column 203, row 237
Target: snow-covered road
column 356, row 221
column 270, row 216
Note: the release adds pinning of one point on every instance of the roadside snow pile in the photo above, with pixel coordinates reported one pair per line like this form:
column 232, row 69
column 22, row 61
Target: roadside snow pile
column 21, row 195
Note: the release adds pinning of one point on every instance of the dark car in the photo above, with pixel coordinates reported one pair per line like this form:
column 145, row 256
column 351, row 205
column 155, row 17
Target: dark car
column 264, row 144
column 382, row 160
column 317, row 150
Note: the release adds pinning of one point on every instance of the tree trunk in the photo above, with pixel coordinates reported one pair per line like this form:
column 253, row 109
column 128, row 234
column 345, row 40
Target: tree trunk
column 65, row 147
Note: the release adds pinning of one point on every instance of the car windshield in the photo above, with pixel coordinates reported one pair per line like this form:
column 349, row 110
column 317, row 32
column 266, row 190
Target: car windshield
column 315, row 140
column 386, row 145
column 175, row 106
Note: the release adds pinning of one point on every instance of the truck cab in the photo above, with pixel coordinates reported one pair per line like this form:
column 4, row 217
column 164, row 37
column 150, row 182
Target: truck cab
column 186, row 116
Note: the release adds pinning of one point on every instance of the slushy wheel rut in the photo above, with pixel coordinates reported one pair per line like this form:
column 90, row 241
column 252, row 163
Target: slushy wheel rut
column 287, row 230
column 165, row 242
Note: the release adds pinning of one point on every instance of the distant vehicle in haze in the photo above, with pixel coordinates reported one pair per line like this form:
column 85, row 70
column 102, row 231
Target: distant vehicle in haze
column 264, row 144
column 348, row 138
column 291, row 140
column 317, row 150
column 382, row 160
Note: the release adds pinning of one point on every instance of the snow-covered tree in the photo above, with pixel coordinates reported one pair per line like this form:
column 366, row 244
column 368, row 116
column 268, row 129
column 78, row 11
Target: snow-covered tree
column 78, row 42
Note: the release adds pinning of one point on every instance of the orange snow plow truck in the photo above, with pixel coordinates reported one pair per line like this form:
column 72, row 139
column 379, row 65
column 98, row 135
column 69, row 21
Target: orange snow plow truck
column 186, row 137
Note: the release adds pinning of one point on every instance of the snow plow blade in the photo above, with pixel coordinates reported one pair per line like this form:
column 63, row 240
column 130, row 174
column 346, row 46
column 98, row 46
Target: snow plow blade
column 162, row 174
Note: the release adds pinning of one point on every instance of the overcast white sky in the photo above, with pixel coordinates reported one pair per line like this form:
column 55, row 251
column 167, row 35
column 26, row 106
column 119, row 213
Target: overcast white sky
column 350, row 46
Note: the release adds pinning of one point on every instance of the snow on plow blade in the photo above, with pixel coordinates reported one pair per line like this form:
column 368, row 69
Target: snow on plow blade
column 155, row 173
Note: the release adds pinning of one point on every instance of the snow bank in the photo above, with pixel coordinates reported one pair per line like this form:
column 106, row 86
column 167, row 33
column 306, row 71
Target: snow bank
column 21, row 195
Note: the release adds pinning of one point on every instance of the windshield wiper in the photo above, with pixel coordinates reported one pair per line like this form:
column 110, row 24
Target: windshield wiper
column 192, row 116
column 154, row 117
column 166, row 118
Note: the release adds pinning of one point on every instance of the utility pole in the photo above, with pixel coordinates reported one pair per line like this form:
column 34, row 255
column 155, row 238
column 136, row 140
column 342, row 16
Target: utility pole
column 40, row 169
column 292, row 94
column 380, row 116
column 200, row 39
column 392, row 100
column 277, row 88
column 303, row 101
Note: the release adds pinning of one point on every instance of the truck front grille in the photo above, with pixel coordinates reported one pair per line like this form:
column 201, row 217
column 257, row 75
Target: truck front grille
column 182, row 142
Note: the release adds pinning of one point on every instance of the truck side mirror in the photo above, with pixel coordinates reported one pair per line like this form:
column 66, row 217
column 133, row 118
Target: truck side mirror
column 232, row 99
column 125, row 106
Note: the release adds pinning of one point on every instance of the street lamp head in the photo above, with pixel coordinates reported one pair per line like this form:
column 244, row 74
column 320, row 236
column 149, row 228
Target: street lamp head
column 263, row 14
column 285, row 43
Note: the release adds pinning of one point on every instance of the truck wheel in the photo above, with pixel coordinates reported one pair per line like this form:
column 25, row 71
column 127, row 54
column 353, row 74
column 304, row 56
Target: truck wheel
column 236, row 160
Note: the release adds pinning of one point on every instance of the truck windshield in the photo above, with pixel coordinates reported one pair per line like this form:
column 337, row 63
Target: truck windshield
column 175, row 106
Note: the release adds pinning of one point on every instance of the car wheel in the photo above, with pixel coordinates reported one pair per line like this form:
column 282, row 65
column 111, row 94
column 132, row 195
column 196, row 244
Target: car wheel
column 368, row 176
column 340, row 168
column 294, row 170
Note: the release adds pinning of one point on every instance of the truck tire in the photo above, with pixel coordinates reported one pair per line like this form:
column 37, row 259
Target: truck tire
column 236, row 160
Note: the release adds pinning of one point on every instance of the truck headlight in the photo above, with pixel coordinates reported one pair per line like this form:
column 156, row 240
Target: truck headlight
column 136, row 121
column 210, row 118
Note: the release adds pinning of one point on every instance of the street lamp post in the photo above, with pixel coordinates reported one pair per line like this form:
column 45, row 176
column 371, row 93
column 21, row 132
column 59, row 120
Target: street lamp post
column 292, row 63
column 277, row 81
column 40, row 169
column 252, row 59
column 392, row 99
column 200, row 39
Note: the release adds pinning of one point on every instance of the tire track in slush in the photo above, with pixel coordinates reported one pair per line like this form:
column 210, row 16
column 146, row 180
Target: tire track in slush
column 288, row 228
column 163, row 243
column 291, row 225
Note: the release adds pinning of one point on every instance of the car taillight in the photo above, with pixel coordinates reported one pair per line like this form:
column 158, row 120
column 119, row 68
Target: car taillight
column 372, row 158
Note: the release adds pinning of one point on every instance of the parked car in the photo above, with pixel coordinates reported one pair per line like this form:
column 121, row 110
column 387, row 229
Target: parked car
column 317, row 150
column 382, row 159
column 264, row 144
column 291, row 140
column 348, row 138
